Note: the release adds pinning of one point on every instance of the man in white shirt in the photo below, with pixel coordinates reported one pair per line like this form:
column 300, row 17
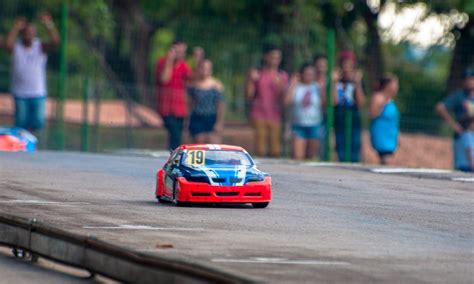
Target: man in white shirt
column 28, row 70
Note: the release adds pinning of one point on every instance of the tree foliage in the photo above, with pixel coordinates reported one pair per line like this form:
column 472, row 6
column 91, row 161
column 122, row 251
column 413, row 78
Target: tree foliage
column 119, row 40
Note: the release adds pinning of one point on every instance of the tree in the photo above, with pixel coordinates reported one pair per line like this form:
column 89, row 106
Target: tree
column 463, row 55
column 374, row 65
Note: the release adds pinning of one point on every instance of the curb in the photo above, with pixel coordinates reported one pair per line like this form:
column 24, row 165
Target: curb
column 103, row 258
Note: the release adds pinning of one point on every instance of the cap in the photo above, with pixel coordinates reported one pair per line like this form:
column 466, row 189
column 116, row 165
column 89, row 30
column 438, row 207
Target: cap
column 347, row 55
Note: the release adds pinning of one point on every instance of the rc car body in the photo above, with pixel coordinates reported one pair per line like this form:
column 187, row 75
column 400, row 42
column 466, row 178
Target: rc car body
column 15, row 139
column 203, row 173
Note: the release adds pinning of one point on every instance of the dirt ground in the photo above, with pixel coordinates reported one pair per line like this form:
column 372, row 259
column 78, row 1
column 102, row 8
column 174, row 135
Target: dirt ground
column 415, row 150
column 113, row 113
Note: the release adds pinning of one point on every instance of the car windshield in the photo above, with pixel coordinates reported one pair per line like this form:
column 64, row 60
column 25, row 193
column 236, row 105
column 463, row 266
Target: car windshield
column 199, row 158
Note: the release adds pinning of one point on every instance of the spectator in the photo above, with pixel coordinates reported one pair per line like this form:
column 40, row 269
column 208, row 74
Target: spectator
column 348, row 98
column 207, row 105
column 385, row 118
column 461, row 103
column 172, row 72
column 197, row 57
column 305, row 95
column 466, row 161
column 28, row 77
column 321, row 67
column 265, row 89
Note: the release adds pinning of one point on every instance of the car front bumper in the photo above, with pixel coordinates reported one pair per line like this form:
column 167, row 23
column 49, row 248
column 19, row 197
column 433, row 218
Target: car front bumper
column 251, row 192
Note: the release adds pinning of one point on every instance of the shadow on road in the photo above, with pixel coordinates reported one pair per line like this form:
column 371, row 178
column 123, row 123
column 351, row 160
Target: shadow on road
column 150, row 203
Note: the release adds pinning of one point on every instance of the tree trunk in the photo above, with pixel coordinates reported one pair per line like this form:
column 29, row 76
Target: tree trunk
column 463, row 56
column 131, row 21
column 109, row 64
column 373, row 50
column 274, row 23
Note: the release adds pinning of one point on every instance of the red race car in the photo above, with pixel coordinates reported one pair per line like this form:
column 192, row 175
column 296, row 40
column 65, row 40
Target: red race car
column 208, row 173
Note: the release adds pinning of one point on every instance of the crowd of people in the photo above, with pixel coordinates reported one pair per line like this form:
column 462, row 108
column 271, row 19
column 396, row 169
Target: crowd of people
column 190, row 97
column 268, row 92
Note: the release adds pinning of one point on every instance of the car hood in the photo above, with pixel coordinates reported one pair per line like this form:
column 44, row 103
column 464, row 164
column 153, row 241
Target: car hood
column 225, row 176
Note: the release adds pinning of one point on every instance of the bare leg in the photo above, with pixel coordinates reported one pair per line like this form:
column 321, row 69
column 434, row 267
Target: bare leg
column 260, row 138
column 312, row 149
column 274, row 136
column 383, row 159
column 299, row 148
column 200, row 138
column 215, row 138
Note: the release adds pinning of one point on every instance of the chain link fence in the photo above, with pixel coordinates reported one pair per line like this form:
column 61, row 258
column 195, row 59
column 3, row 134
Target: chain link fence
column 112, row 105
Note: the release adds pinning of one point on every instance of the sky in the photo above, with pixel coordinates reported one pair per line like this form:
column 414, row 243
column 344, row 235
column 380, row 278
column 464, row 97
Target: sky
column 415, row 24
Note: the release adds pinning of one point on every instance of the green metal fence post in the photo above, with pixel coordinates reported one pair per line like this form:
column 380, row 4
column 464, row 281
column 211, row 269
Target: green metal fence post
column 98, row 87
column 85, row 116
column 331, row 40
column 62, row 74
column 129, row 127
column 347, row 134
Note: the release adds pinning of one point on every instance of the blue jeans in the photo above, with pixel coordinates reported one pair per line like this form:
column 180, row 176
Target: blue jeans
column 174, row 126
column 339, row 129
column 307, row 132
column 460, row 156
column 30, row 112
column 355, row 145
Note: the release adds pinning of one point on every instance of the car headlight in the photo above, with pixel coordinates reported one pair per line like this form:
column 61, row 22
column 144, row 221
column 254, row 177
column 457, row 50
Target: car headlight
column 203, row 179
column 255, row 178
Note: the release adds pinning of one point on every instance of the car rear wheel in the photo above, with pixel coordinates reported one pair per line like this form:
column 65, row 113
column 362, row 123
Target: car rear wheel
column 260, row 204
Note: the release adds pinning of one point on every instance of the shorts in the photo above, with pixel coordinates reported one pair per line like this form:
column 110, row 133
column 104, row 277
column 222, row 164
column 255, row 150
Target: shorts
column 307, row 132
column 385, row 153
column 30, row 112
column 201, row 124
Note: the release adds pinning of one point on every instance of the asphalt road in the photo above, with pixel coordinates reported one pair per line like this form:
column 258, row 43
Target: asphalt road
column 326, row 223
column 19, row 271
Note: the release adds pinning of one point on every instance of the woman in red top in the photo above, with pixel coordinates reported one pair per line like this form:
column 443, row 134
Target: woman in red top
column 172, row 72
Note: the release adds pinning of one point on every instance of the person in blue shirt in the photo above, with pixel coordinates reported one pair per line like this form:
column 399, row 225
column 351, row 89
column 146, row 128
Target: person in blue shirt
column 385, row 117
column 460, row 103
column 466, row 161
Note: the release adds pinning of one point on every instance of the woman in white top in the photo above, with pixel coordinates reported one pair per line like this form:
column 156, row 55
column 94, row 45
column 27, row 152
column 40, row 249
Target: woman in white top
column 307, row 101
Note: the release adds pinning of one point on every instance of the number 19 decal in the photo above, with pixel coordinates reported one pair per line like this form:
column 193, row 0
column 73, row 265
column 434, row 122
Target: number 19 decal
column 196, row 157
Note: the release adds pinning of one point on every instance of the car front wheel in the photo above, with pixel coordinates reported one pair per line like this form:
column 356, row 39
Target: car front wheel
column 260, row 204
column 160, row 199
